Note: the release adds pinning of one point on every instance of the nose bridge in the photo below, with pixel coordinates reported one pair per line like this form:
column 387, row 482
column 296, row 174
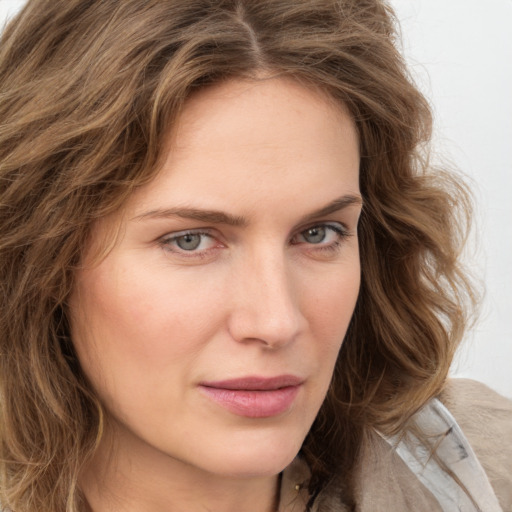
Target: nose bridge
column 266, row 306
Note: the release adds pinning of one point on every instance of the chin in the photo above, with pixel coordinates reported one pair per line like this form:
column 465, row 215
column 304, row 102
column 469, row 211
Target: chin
column 253, row 454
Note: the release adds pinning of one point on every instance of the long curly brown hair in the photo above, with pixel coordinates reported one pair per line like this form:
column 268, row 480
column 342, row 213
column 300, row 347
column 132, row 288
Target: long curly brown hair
column 88, row 91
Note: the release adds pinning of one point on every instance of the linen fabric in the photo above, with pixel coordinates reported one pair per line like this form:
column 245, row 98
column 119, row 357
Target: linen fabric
column 455, row 456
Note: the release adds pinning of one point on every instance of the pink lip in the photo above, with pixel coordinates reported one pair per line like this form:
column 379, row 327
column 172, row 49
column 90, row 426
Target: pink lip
column 254, row 397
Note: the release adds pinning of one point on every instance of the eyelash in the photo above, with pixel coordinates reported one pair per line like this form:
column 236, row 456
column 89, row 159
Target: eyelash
column 340, row 230
column 167, row 241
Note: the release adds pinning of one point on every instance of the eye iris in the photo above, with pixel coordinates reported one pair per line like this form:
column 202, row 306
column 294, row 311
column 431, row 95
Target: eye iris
column 315, row 235
column 188, row 242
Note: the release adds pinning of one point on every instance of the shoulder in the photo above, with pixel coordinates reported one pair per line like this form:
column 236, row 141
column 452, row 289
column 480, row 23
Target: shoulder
column 485, row 417
column 469, row 429
column 470, row 418
column 459, row 394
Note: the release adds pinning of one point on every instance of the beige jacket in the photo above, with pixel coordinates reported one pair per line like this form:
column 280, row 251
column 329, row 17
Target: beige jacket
column 386, row 483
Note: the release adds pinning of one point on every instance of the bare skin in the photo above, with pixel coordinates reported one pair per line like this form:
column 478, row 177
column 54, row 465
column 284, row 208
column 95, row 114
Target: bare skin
column 240, row 260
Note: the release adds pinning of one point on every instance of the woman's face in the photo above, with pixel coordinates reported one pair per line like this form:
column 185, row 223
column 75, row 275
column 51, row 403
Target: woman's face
column 210, row 331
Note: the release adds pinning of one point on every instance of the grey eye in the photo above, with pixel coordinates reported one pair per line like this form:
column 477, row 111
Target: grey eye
column 315, row 235
column 189, row 242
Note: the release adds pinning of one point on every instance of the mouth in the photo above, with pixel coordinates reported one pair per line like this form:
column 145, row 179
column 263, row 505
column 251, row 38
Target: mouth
column 254, row 397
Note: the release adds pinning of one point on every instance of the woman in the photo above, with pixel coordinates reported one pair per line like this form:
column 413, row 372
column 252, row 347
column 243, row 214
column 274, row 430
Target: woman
column 230, row 281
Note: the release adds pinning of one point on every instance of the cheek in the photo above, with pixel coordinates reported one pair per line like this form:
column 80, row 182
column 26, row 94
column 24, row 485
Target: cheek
column 137, row 336
column 332, row 305
column 131, row 308
column 133, row 331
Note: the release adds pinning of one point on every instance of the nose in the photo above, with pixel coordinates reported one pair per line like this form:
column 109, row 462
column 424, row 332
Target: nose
column 265, row 307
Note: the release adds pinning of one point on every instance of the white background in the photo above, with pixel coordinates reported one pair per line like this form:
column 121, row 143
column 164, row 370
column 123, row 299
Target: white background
column 460, row 53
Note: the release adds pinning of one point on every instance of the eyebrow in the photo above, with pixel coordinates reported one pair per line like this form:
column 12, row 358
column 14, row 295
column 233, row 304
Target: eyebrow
column 334, row 206
column 219, row 217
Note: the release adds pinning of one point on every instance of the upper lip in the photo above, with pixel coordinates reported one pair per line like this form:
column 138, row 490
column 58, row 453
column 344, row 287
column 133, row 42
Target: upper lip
column 255, row 383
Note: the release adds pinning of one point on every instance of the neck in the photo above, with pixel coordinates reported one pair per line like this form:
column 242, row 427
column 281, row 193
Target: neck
column 134, row 477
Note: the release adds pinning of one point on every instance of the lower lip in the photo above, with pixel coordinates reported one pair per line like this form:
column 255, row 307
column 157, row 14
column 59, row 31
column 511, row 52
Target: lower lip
column 253, row 404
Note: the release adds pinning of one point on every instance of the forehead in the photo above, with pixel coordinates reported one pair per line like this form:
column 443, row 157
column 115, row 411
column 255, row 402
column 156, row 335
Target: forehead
column 246, row 109
column 258, row 137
